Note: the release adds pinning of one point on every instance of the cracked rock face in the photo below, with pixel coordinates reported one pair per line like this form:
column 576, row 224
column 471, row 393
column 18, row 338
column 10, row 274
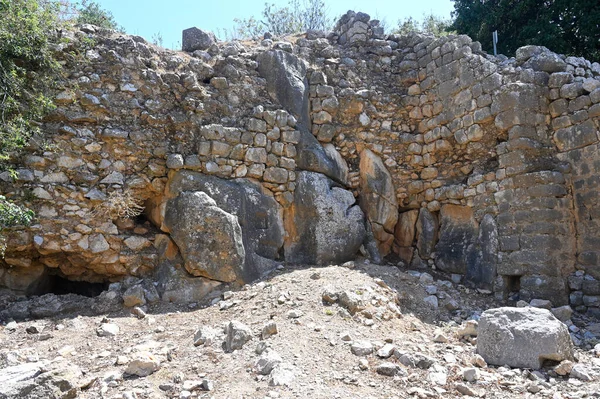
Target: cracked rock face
column 324, row 222
column 210, row 239
column 378, row 200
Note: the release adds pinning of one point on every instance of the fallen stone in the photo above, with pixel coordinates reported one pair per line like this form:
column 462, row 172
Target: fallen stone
column 237, row 336
column 388, row 368
column 143, row 365
column 282, row 375
column 267, row 362
column 522, row 337
column 361, row 348
column 205, row 336
column 581, row 372
column 107, row 330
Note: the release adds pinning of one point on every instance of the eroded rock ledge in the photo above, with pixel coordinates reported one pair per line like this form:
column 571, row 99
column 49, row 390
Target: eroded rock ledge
column 248, row 155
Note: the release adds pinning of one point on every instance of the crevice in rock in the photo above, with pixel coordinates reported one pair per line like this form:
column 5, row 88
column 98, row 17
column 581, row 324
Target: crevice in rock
column 61, row 286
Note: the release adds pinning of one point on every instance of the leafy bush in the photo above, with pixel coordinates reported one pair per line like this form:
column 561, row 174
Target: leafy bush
column 297, row 16
column 28, row 70
column 431, row 24
column 90, row 12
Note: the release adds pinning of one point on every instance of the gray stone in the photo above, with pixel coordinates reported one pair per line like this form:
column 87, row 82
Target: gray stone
column 258, row 214
column 196, row 39
column 562, row 313
column 209, row 238
column 287, row 82
column 388, row 369
column 205, row 336
column 267, row 362
column 238, row 335
column 361, row 348
column 482, row 259
column 522, row 337
column 378, row 200
column 458, row 235
column 328, row 225
column 282, row 375
column 547, row 62
column 427, row 232
column 56, row 380
column 134, row 296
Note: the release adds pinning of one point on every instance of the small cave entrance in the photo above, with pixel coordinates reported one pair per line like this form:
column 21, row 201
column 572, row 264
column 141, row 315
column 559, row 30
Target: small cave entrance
column 512, row 287
column 61, row 286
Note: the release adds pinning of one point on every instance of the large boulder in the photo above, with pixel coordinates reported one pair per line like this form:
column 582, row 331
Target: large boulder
column 522, row 337
column 427, row 233
column 483, row 259
column 287, row 83
column 196, row 39
column 259, row 215
column 324, row 224
column 43, row 379
column 458, row 234
column 378, row 199
column 210, row 239
column 404, row 234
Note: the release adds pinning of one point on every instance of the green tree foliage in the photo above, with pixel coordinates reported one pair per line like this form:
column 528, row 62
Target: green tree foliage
column 28, row 70
column 90, row 12
column 12, row 215
column 297, row 16
column 431, row 24
column 566, row 26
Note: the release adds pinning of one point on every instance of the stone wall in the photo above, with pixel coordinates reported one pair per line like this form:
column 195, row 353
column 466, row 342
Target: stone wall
column 482, row 167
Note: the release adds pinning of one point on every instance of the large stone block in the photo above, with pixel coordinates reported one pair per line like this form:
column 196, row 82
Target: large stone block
column 259, row 215
column 458, row 233
column 427, row 233
column 288, row 84
column 324, row 225
column 522, row 337
column 481, row 265
column 209, row 238
column 196, row 39
column 378, row 199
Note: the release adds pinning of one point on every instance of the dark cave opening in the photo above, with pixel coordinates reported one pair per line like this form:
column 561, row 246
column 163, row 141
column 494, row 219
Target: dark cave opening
column 61, row 286
column 512, row 286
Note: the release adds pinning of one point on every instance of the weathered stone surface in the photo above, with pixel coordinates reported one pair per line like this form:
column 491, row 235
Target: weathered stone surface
column 238, row 334
column 143, row 365
column 378, row 199
column 522, row 337
column 177, row 286
column 196, row 39
column 404, row 234
column 458, row 233
column 481, row 264
column 210, row 239
column 258, row 214
column 287, row 82
column 427, row 233
column 40, row 379
column 324, row 224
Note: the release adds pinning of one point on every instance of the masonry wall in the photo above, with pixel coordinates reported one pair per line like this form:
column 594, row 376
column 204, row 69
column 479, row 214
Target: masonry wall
column 483, row 167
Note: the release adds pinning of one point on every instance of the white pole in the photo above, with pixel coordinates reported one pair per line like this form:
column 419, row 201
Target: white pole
column 495, row 40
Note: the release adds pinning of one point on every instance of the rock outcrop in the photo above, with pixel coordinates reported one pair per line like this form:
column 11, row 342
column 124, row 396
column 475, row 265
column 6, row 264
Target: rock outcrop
column 325, row 224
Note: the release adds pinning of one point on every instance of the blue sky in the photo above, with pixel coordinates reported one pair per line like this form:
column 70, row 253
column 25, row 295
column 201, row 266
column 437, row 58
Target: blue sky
column 148, row 17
